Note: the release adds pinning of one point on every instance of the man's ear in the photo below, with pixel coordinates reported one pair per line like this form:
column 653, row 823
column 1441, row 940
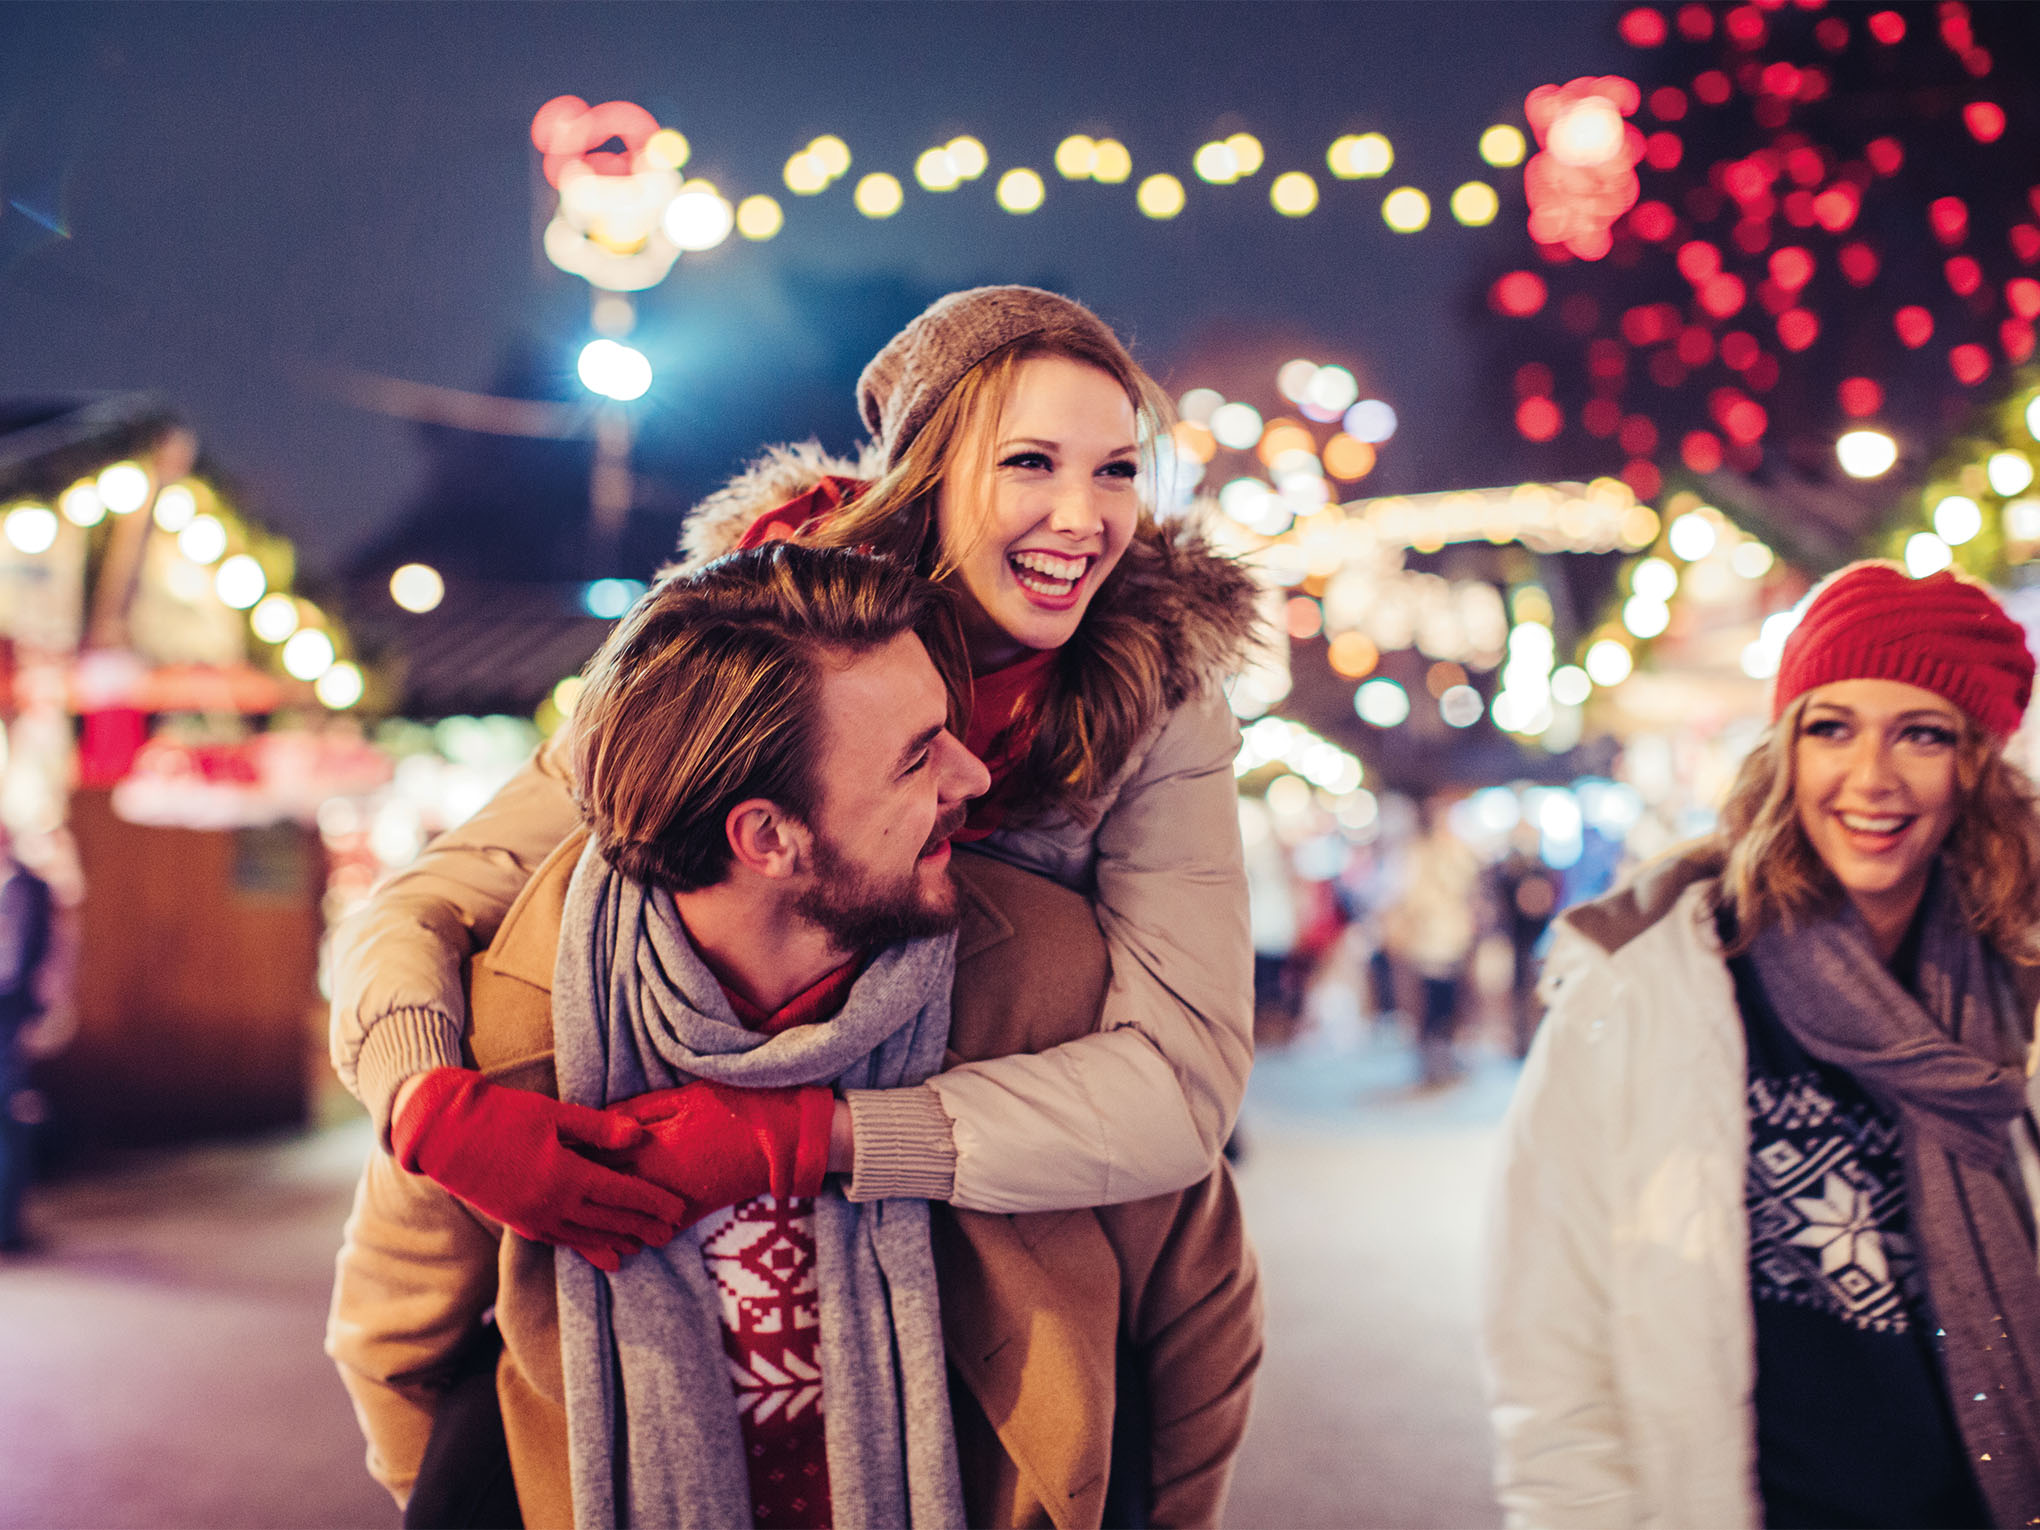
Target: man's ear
column 767, row 840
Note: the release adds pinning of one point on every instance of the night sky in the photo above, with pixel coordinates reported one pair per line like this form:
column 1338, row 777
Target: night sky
column 224, row 202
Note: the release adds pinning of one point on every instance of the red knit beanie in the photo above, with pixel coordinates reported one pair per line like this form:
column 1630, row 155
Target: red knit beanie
column 1944, row 633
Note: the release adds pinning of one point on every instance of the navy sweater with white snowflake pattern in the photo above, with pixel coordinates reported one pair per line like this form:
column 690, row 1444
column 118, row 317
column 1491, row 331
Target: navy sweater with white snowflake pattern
column 1853, row 1421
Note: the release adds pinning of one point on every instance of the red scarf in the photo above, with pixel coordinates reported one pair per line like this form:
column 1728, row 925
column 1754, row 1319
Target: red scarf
column 1005, row 703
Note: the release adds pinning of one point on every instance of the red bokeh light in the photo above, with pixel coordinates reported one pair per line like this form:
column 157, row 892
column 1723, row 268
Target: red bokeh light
column 2016, row 336
column 2022, row 296
column 1964, row 275
column 1533, row 380
column 1723, row 295
column 1643, row 478
column 1654, row 221
column 1750, row 235
column 1977, row 62
column 1666, row 370
column 1668, row 103
column 1915, row 326
column 1774, row 297
column 1642, row 27
column 1696, row 23
column 1797, row 329
column 1835, row 208
column 1696, row 345
column 1949, row 219
column 1832, row 34
column 1859, row 264
column 1602, row 417
column 1701, row 451
column 1955, row 30
column 1791, row 267
column 1781, row 79
column 1763, row 373
column 1518, row 295
column 1813, row 84
column 1745, row 179
column 1606, row 359
column 1970, row 364
column 1698, row 260
column 1745, row 421
column 1886, row 155
column 1661, row 151
column 1799, row 208
column 1711, row 87
column 1888, row 27
column 1859, row 397
column 1744, row 25
column 2025, row 241
column 1806, row 166
column 1648, row 324
column 1985, row 121
column 1538, row 419
column 1638, row 436
column 1739, row 350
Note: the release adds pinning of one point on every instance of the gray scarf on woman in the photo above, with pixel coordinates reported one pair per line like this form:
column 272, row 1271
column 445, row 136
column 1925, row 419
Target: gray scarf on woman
column 1949, row 1065
column 653, row 1434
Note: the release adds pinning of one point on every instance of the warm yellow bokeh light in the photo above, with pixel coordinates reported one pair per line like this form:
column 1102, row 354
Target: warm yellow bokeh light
column 1215, row 163
column 1246, row 153
column 805, row 175
column 1502, row 146
column 1074, row 157
column 1348, row 457
column 1406, row 210
column 667, row 147
column 968, row 156
column 759, row 217
column 1353, row 654
column 1293, row 194
column 1020, row 191
column 1475, row 204
column 879, row 195
column 936, row 171
column 1160, row 196
column 1111, row 164
column 832, row 154
column 1359, row 156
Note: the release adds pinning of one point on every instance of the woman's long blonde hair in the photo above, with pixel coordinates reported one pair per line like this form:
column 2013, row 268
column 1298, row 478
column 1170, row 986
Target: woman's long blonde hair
column 1111, row 680
column 1771, row 875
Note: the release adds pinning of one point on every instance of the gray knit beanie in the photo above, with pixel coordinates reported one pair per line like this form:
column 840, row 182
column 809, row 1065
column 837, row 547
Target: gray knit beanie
column 907, row 381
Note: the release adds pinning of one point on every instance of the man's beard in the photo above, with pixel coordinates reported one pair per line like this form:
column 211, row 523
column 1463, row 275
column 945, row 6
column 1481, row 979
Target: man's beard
column 860, row 912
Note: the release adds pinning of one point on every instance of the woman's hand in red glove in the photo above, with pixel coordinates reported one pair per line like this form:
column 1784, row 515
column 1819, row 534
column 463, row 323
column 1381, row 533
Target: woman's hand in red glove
column 511, row 1154
column 715, row 1145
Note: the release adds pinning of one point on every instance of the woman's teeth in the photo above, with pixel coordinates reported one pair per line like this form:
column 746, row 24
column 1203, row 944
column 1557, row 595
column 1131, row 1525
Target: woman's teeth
column 1863, row 824
column 1047, row 574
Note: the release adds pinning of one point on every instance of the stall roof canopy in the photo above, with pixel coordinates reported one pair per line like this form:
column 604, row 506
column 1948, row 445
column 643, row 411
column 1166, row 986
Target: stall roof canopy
column 47, row 443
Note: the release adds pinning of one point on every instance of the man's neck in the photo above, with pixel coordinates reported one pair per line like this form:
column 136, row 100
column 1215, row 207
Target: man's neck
column 756, row 944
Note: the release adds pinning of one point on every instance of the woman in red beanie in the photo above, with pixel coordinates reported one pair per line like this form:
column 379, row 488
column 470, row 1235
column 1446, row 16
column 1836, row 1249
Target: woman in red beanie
column 1762, row 1245
column 1012, row 459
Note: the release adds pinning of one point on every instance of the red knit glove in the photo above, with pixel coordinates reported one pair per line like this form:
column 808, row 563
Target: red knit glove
column 718, row 1146
column 510, row 1154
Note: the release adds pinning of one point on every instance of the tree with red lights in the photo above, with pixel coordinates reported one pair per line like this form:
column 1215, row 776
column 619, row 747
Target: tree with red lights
column 1835, row 223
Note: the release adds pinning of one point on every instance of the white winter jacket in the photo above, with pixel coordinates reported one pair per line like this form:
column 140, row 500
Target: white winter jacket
column 1618, row 1334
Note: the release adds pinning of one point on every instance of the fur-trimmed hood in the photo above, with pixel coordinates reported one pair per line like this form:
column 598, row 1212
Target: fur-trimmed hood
column 1202, row 601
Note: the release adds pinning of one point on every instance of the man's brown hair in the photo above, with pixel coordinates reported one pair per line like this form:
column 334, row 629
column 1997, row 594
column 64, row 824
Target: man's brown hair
column 707, row 694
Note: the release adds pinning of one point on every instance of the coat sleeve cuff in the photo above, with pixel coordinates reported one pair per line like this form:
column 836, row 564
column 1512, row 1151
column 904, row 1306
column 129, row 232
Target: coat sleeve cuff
column 905, row 1146
column 399, row 1044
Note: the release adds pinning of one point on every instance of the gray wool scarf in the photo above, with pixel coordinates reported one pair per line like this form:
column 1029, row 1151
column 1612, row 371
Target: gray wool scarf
column 1949, row 1064
column 653, row 1434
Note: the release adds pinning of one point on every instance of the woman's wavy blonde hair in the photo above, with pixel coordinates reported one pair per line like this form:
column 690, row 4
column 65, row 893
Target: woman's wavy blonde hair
column 1770, row 873
column 1109, row 685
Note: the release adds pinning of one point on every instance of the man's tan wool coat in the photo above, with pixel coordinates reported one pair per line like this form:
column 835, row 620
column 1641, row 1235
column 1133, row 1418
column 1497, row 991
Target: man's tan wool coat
column 1033, row 1305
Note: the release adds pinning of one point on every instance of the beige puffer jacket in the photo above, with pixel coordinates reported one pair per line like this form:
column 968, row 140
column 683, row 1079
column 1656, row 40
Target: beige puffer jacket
column 1140, row 1108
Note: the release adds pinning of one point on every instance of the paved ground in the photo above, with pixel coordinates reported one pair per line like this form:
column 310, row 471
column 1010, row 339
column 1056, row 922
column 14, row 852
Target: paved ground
column 160, row 1364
